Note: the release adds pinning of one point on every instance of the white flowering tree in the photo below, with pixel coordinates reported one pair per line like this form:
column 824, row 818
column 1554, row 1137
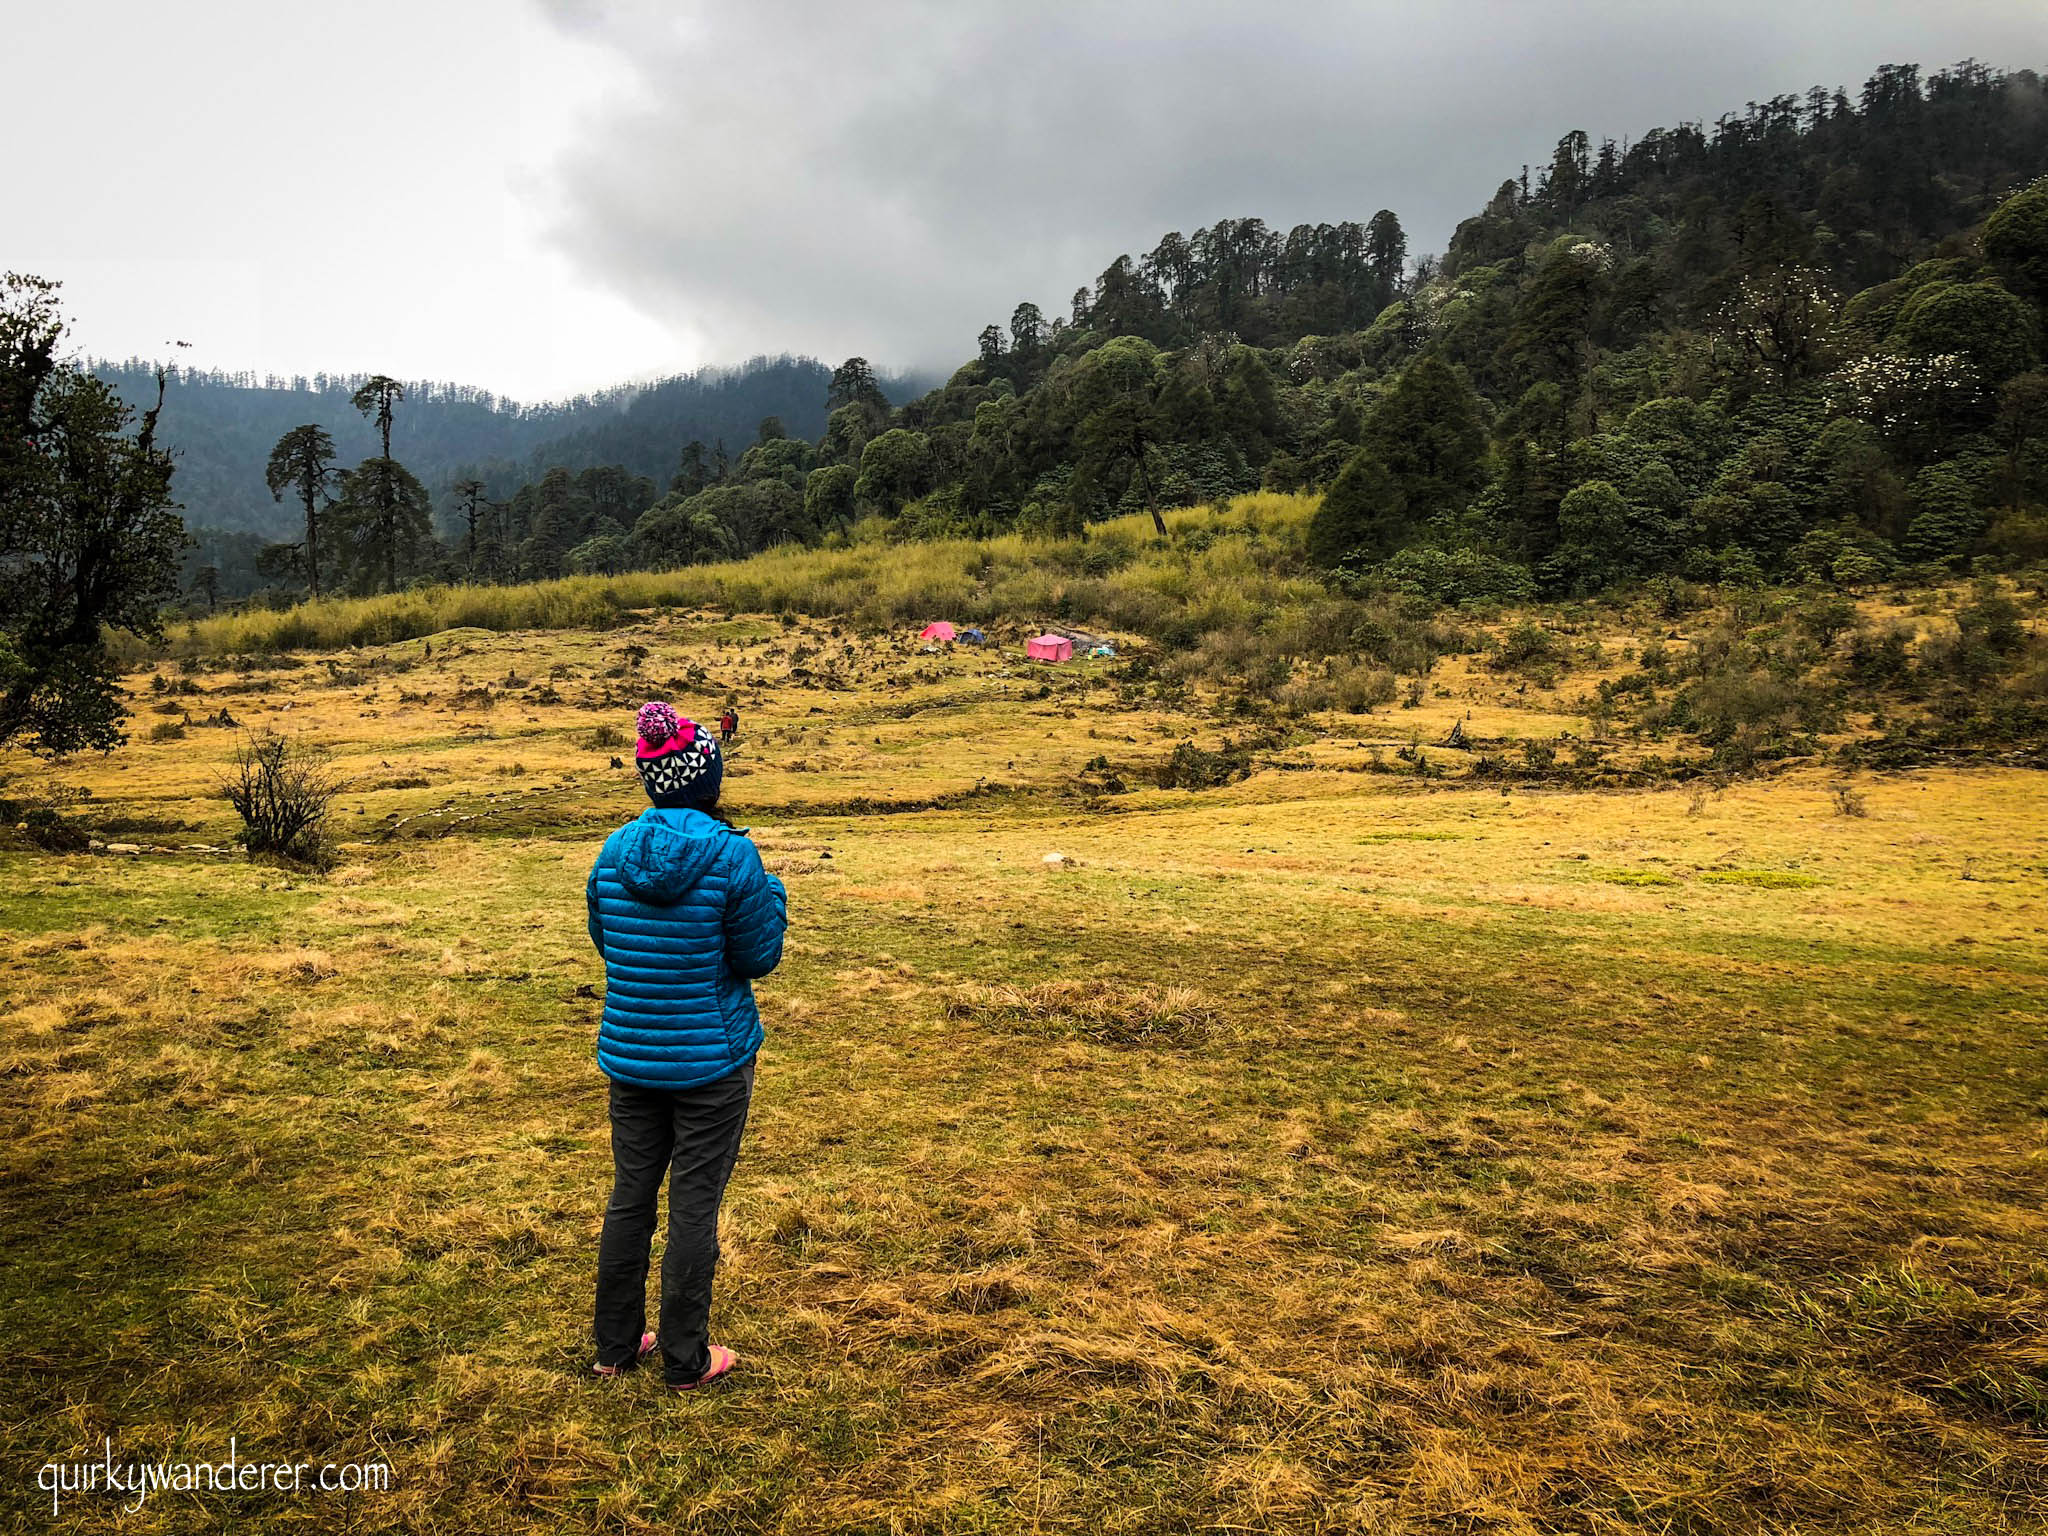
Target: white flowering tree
column 1781, row 322
column 1906, row 398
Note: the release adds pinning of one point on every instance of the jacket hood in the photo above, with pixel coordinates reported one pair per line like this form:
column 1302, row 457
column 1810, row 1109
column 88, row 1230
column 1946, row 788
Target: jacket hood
column 663, row 855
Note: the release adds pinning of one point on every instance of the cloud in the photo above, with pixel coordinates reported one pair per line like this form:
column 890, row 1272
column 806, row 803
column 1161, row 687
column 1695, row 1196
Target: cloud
column 886, row 178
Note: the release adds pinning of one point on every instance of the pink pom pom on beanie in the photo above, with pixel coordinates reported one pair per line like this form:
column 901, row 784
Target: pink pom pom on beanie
column 679, row 764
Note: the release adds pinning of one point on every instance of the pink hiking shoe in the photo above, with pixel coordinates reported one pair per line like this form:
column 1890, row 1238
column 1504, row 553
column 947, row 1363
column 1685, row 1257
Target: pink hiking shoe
column 722, row 1361
column 646, row 1349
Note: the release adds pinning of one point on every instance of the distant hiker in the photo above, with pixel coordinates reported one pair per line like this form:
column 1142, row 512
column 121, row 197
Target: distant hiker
column 685, row 917
column 728, row 724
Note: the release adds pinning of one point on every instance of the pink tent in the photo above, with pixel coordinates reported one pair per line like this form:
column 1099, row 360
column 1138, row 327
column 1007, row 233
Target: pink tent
column 1050, row 648
column 939, row 631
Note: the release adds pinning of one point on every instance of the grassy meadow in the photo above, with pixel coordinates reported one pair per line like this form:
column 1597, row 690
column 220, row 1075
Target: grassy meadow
column 1221, row 569
column 1344, row 1147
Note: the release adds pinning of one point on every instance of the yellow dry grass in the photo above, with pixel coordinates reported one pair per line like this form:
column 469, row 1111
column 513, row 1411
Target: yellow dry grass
column 1329, row 1152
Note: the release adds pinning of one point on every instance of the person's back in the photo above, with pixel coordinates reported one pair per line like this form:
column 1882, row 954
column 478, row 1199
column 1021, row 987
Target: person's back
column 685, row 917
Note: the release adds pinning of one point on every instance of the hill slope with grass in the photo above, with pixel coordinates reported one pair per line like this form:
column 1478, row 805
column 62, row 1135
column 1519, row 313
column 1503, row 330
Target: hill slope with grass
column 1230, row 606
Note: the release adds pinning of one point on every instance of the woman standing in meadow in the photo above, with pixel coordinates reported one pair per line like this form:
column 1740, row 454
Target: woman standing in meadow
column 685, row 917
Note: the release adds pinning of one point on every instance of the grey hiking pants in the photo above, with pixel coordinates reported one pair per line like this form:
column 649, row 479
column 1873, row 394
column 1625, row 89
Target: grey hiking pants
column 692, row 1138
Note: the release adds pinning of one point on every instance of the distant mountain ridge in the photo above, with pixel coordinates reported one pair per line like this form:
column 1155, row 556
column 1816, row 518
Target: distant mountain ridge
column 222, row 427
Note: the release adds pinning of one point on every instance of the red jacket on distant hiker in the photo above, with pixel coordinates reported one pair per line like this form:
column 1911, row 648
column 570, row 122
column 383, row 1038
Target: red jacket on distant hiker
column 728, row 725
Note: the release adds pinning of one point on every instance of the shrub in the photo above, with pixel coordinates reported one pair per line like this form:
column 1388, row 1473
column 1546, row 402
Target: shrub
column 1736, row 707
column 1526, row 646
column 1859, row 568
column 1593, row 536
column 2021, row 535
column 1826, row 618
column 1364, row 688
column 1949, row 520
column 282, row 789
column 1192, row 767
column 1304, row 697
column 1674, row 598
column 1458, row 576
column 1878, row 657
column 1993, row 621
column 46, row 826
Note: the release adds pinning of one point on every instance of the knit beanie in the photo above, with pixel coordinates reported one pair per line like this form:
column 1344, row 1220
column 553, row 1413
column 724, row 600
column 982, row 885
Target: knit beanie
column 679, row 764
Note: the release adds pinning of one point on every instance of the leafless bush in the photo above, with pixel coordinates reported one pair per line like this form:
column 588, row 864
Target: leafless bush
column 282, row 789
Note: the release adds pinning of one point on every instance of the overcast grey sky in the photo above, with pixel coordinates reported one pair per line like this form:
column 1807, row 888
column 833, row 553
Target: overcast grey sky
column 545, row 196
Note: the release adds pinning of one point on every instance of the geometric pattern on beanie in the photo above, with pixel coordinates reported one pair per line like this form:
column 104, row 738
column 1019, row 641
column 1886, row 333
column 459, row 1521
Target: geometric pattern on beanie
column 672, row 772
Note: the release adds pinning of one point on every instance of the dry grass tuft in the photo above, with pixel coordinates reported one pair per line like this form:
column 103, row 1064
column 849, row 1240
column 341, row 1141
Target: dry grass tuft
column 1098, row 1010
column 298, row 964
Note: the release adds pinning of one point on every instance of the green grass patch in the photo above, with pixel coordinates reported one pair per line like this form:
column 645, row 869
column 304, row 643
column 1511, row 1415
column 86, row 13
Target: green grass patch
column 1761, row 879
column 1634, row 877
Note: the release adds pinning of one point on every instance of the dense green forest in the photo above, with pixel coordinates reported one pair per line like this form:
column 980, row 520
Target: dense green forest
column 1803, row 341
column 221, row 427
column 1806, row 336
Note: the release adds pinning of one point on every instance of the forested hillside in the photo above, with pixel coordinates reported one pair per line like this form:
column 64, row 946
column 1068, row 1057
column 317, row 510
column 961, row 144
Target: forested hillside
column 1804, row 334
column 222, row 427
column 1804, row 341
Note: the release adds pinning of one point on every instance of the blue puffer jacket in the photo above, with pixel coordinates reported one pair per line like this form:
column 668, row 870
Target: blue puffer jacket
column 685, row 916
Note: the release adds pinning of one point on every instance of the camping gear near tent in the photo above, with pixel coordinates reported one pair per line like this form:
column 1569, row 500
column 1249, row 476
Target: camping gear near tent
column 973, row 636
column 1083, row 641
column 1050, row 648
column 939, row 631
